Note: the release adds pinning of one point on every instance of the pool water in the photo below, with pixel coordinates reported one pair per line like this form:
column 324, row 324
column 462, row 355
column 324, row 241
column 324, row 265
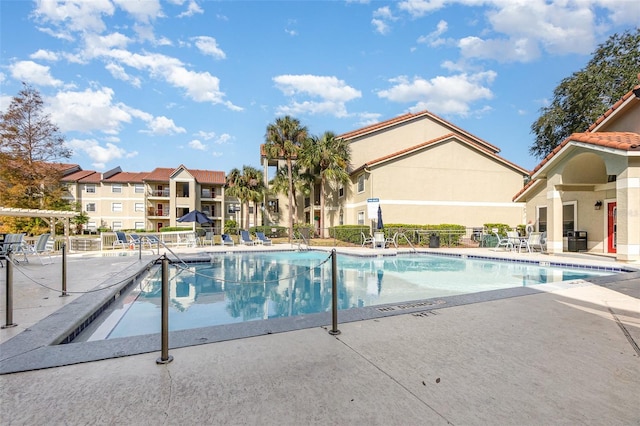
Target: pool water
column 255, row 286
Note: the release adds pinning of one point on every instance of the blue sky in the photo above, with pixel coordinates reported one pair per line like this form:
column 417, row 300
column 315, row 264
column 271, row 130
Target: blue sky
column 147, row 83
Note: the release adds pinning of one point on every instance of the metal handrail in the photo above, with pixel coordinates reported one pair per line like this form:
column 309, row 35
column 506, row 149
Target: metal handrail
column 401, row 234
column 299, row 239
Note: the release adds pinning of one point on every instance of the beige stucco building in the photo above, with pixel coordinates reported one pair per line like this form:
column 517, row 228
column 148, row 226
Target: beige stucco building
column 423, row 170
column 591, row 183
column 145, row 200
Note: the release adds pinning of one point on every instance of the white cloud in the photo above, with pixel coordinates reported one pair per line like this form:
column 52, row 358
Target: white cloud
column 380, row 26
column 88, row 111
column 45, row 55
column 32, row 72
column 292, row 33
column 118, row 72
column 333, row 94
column 442, row 95
column 74, row 15
column 163, row 126
column 216, row 154
column 418, row 8
column 200, row 87
column 192, row 9
column 209, row 46
column 326, row 87
column 143, row 11
column 100, row 155
column 223, row 139
column 196, row 144
column 206, row 135
column 521, row 50
column 433, row 38
column 381, row 17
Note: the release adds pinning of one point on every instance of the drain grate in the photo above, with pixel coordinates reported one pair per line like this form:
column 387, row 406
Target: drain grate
column 410, row 306
column 424, row 314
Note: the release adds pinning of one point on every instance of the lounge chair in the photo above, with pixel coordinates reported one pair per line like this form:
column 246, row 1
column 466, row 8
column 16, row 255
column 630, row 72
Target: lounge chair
column 16, row 244
column 152, row 240
column 208, row 238
column 366, row 240
column 226, row 240
column 245, row 238
column 263, row 239
column 42, row 247
column 121, row 240
column 137, row 240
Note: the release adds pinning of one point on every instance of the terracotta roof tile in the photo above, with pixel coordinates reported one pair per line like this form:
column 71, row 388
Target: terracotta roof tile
column 624, row 141
column 159, row 174
column 78, row 176
column 615, row 106
column 127, row 177
column 208, row 176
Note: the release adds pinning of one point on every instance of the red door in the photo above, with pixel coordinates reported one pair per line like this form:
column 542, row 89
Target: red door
column 611, row 227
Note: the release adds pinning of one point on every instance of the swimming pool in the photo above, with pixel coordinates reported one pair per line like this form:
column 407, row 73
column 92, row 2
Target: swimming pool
column 235, row 288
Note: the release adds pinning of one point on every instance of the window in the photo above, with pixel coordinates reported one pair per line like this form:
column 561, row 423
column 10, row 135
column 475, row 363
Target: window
column 90, row 207
column 568, row 218
column 116, row 207
column 116, row 187
column 90, row 189
column 361, row 183
column 542, row 219
column 138, row 225
column 91, row 226
column 250, row 209
column 341, row 192
column 361, row 218
column 138, row 188
column 116, row 226
column 139, row 207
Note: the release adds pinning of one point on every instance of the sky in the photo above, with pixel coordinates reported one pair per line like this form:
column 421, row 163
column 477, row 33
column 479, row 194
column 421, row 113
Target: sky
column 142, row 84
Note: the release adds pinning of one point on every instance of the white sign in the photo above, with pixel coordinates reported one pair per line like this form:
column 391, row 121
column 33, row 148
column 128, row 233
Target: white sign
column 372, row 208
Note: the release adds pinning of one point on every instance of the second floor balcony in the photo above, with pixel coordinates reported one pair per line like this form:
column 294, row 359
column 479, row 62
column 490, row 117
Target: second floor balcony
column 159, row 193
column 153, row 212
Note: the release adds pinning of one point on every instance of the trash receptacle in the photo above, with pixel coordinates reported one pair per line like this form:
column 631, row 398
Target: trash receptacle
column 434, row 241
column 577, row 241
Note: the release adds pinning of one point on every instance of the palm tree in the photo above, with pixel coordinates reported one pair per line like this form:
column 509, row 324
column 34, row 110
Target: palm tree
column 302, row 182
column 330, row 157
column 246, row 185
column 283, row 141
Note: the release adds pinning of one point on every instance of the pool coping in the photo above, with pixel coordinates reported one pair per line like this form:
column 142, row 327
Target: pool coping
column 39, row 347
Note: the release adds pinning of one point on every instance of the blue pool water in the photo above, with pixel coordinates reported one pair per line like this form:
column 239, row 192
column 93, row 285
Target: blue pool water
column 256, row 286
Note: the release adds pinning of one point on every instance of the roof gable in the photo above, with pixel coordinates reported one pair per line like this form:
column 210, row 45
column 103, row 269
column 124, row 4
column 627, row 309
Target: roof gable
column 407, row 118
column 442, row 139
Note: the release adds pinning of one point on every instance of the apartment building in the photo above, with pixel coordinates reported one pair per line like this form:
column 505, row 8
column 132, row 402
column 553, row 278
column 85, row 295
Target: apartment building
column 145, row 200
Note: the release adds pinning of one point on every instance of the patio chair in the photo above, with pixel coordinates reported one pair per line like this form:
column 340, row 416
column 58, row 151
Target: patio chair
column 391, row 240
column 366, row 240
column 245, row 238
column 504, row 243
column 263, row 239
column 121, row 240
column 152, row 240
column 533, row 242
column 42, row 247
column 226, row 240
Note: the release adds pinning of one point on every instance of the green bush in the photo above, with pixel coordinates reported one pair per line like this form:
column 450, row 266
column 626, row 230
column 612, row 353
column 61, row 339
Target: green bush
column 175, row 228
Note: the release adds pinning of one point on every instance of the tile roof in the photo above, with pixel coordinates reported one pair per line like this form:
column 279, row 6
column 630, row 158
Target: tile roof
column 440, row 139
column 159, row 174
column 78, row 176
column 127, row 177
column 412, row 116
column 633, row 92
column 624, row 141
column 208, row 176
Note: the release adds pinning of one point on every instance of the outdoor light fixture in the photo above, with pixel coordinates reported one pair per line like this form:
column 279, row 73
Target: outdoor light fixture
column 597, row 205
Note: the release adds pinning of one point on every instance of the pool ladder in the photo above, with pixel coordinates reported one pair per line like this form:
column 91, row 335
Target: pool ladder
column 300, row 240
column 401, row 234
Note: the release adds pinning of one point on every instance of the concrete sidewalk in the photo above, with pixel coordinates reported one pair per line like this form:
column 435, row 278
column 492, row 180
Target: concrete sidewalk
column 566, row 355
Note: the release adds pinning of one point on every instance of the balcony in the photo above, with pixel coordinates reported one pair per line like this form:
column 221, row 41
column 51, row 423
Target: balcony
column 208, row 193
column 151, row 212
column 159, row 193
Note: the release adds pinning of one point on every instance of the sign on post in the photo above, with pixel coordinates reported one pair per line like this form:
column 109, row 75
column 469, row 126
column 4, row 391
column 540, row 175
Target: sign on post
column 372, row 208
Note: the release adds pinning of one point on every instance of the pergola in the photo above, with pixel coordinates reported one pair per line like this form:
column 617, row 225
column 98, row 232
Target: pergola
column 52, row 217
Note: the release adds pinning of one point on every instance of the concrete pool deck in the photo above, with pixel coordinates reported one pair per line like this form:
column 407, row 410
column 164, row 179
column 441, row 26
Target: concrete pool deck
column 565, row 355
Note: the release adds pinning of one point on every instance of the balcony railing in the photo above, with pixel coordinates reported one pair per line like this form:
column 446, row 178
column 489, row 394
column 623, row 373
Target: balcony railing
column 157, row 212
column 159, row 193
